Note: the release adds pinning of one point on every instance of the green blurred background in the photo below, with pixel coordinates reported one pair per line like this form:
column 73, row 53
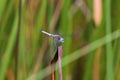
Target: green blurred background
column 84, row 24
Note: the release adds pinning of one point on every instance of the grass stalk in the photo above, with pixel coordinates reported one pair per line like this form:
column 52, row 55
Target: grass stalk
column 109, row 50
column 9, row 48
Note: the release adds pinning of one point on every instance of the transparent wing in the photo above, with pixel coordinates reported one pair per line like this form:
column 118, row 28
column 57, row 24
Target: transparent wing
column 54, row 48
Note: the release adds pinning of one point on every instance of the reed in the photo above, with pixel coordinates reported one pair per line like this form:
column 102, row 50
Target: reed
column 91, row 43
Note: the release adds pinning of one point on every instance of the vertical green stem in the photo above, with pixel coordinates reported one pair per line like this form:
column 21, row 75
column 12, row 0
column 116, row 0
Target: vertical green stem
column 109, row 55
column 9, row 48
column 66, row 28
column 16, row 49
column 2, row 7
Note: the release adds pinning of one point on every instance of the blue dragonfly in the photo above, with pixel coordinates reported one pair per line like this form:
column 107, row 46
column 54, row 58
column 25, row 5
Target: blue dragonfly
column 58, row 54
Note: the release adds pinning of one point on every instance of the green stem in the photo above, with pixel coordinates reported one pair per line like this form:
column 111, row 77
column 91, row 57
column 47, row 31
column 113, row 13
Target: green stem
column 109, row 54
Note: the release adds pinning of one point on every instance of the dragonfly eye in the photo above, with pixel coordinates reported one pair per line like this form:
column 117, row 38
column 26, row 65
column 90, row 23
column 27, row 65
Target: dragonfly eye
column 59, row 39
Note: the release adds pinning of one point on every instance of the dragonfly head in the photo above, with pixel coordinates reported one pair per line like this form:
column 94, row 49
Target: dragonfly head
column 59, row 39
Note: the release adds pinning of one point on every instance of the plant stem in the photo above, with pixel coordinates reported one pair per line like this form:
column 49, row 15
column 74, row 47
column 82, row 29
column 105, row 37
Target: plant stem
column 60, row 61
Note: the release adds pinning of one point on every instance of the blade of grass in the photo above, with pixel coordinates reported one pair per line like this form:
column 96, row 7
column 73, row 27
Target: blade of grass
column 7, row 14
column 116, row 23
column 54, row 20
column 109, row 51
column 39, row 21
column 9, row 48
column 4, row 19
column 90, row 58
column 16, row 49
column 21, row 54
column 117, row 58
column 50, row 12
column 36, row 34
column 66, row 24
column 40, row 17
column 2, row 7
column 98, row 34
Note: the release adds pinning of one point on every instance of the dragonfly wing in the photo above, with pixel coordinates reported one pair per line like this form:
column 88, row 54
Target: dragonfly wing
column 55, row 58
column 54, row 49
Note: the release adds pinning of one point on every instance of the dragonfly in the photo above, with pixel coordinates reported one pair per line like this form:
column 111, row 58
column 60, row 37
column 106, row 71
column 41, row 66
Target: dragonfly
column 57, row 37
column 58, row 55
